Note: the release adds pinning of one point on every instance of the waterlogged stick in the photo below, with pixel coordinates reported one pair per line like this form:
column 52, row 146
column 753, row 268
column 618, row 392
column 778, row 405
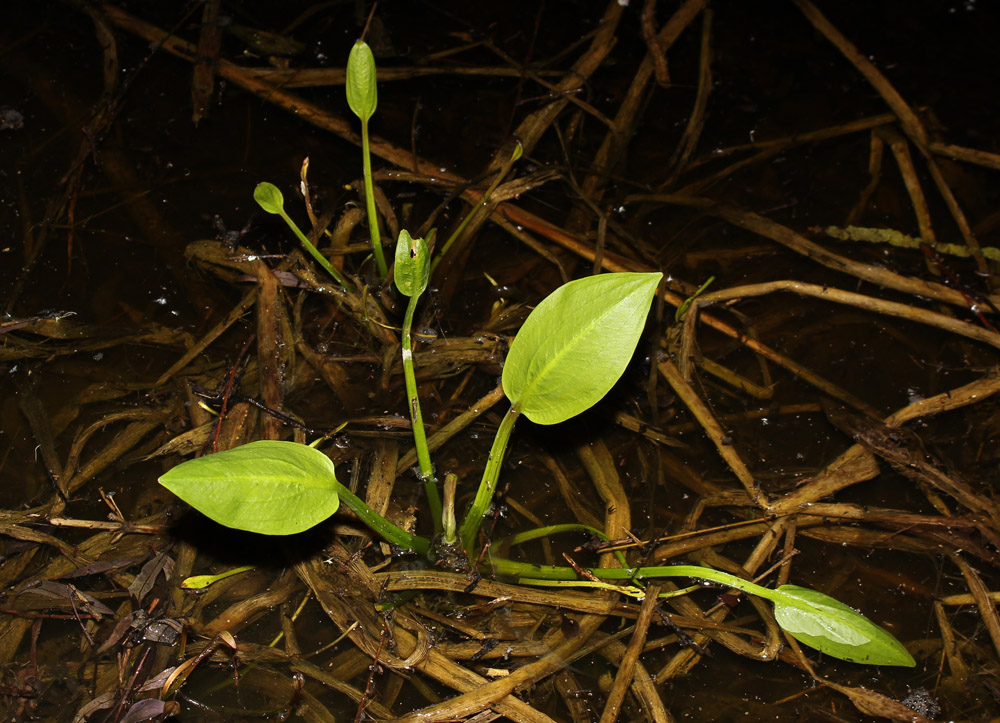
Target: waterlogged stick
column 501, row 174
column 448, row 524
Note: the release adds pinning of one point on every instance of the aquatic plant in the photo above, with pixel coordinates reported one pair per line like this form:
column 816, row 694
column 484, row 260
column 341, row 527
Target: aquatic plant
column 570, row 351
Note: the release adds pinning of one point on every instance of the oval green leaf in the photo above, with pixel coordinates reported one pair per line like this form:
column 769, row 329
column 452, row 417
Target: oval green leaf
column 361, row 92
column 576, row 344
column 833, row 628
column 269, row 197
column 413, row 264
column 273, row 488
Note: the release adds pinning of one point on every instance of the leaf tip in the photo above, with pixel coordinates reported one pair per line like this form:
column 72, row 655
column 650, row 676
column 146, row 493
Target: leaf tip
column 269, row 197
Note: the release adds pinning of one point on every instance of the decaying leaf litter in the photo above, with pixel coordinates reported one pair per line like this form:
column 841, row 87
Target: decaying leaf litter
column 330, row 623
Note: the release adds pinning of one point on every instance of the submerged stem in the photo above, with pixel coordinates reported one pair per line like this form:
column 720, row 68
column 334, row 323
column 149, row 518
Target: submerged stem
column 525, row 570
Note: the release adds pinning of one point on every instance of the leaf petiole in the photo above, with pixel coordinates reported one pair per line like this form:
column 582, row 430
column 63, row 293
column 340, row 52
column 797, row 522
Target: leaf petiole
column 270, row 198
column 488, row 484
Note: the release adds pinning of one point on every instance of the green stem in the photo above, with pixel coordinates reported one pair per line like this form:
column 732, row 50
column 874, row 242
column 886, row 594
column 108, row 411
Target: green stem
column 548, row 530
column 488, row 485
column 555, row 572
column 314, row 252
column 370, row 204
column 630, row 590
column 417, row 417
column 381, row 526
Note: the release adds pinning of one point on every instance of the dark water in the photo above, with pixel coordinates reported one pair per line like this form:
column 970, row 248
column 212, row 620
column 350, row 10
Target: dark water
column 154, row 182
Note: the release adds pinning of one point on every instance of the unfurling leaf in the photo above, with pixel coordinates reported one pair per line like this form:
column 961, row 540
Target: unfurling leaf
column 361, row 90
column 413, row 264
column 200, row 582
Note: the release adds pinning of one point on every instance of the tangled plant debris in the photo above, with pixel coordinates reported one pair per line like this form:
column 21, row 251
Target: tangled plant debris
column 805, row 439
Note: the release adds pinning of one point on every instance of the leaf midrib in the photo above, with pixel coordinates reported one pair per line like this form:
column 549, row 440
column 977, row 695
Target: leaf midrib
column 526, row 392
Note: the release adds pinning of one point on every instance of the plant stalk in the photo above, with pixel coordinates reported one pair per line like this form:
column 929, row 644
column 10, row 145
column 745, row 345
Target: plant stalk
column 484, row 495
column 417, row 417
column 370, row 204
column 526, row 571
column 314, row 252
column 381, row 526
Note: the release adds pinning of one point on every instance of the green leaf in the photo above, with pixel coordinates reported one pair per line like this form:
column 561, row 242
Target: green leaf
column 576, row 344
column 361, row 93
column 269, row 198
column 273, row 488
column 413, row 264
column 200, row 582
column 835, row 629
